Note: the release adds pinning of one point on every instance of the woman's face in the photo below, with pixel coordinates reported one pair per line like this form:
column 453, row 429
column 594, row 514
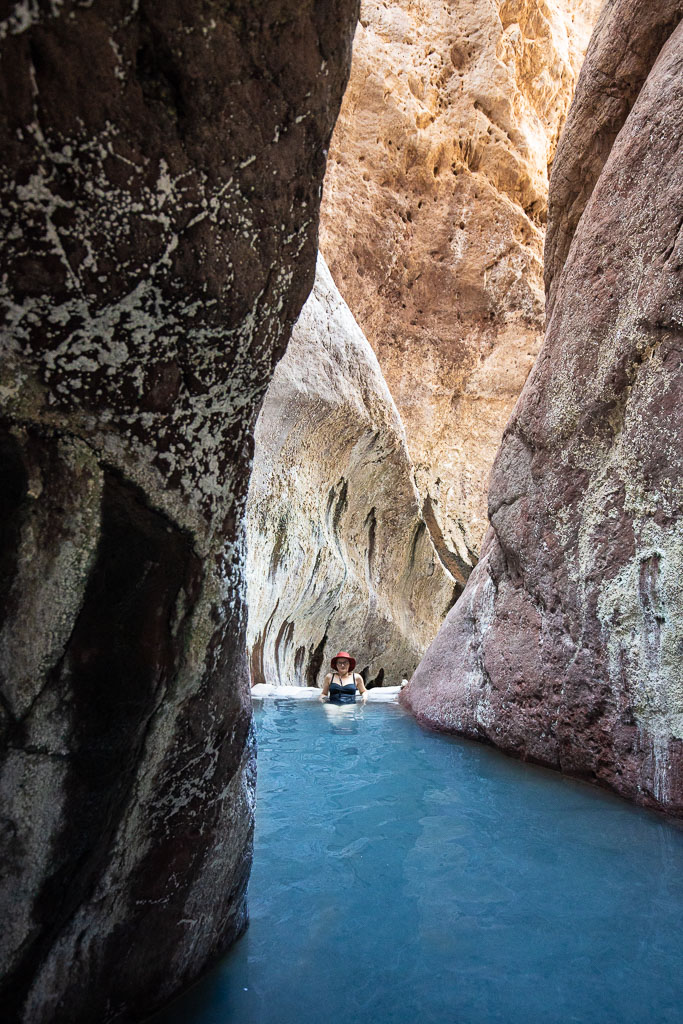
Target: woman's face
column 342, row 665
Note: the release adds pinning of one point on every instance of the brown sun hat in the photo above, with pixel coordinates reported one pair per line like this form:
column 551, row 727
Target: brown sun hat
column 343, row 654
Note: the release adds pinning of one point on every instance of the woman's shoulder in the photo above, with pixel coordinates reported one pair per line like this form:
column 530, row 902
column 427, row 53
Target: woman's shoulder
column 357, row 676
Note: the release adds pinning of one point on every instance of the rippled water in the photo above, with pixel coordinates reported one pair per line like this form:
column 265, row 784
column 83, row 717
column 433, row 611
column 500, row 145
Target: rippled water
column 401, row 876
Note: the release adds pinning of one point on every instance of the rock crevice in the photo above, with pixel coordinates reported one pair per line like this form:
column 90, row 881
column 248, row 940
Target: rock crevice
column 160, row 177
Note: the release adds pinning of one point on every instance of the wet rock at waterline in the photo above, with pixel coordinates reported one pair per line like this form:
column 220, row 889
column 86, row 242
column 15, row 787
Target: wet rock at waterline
column 566, row 646
column 161, row 172
column 339, row 555
column 433, row 222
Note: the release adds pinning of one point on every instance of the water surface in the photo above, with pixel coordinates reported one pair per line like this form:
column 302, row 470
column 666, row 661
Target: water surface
column 401, row 876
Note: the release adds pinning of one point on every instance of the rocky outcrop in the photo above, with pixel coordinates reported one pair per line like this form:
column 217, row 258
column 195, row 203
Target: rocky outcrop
column 627, row 39
column 433, row 222
column 161, row 173
column 339, row 555
column 565, row 647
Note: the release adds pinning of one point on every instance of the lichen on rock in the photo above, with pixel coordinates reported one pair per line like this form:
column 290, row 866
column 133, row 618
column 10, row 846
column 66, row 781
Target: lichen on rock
column 565, row 647
column 160, row 176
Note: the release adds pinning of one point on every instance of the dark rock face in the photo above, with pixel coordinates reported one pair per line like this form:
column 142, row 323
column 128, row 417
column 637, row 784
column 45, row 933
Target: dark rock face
column 566, row 646
column 161, row 174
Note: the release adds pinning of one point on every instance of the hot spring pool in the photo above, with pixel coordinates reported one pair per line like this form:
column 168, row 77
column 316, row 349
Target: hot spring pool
column 401, row 877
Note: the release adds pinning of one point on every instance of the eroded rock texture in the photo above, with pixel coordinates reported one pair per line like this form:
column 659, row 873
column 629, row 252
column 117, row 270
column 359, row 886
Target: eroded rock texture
column 627, row 39
column 339, row 555
column 566, row 645
column 161, row 172
column 434, row 216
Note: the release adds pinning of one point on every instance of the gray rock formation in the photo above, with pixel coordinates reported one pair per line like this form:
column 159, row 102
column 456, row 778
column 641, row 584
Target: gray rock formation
column 160, row 175
column 566, row 646
column 339, row 555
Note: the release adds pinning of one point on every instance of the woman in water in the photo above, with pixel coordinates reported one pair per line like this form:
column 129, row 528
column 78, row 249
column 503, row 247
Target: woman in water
column 342, row 683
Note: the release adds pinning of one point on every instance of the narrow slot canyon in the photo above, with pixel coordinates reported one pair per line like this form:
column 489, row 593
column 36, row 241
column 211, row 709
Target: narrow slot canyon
column 425, row 319
column 341, row 327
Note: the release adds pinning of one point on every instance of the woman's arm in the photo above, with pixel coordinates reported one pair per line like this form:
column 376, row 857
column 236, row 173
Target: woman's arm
column 326, row 686
column 361, row 688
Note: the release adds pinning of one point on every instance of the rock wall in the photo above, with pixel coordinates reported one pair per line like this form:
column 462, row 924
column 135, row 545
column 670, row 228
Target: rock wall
column 433, row 222
column 160, row 174
column 565, row 647
column 627, row 39
column 339, row 555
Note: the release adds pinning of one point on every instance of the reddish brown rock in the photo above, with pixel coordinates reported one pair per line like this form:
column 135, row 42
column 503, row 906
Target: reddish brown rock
column 566, row 646
column 161, row 167
column 625, row 44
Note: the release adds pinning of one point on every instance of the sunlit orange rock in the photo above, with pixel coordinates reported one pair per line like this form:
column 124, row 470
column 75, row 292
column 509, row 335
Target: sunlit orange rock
column 433, row 222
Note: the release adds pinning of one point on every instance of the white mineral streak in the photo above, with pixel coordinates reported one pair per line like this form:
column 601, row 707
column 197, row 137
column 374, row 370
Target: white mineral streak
column 339, row 556
column 140, row 312
column 434, row 215
column 27, row 13
column 641, row 607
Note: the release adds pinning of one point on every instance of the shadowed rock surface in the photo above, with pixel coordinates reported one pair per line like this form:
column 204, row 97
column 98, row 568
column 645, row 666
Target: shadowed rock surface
column 566, row 646
column 339, row 555
column 627, row 39
column 161, row 172
column 433, row 222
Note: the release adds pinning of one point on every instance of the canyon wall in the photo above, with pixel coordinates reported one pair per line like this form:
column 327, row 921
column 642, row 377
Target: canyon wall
column 627, row 39
column 566, row 646
column 433, row 222
column 160, row 174
column 339, row 555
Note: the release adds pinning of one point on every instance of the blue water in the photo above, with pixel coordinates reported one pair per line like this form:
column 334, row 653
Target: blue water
column 402, row 877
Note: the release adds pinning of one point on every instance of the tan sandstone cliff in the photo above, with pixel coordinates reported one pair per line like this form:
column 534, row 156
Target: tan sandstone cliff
column 339, row 555
column 433, row 222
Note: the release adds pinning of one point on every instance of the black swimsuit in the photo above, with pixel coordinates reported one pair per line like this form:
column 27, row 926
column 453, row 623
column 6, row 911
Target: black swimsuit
column 342, row 693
